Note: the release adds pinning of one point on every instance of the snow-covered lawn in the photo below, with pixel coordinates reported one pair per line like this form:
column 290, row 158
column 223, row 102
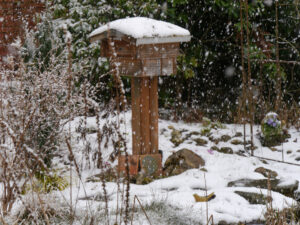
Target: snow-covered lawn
column 173, row 195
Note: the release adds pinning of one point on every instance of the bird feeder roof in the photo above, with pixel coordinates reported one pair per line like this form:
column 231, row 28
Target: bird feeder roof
column 144, row 30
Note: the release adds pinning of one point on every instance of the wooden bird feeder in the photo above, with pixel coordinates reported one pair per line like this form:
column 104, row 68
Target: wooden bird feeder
column 142, row 49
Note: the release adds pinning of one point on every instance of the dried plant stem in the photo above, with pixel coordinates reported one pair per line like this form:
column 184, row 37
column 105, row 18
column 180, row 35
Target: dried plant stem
column 278, row 78
column 250, row 92
column 100, row 161
column 136, row 198
column 244, row 94
column 116, row 73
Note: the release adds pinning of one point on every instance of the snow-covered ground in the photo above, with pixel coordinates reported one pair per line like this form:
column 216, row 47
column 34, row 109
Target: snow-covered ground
column 173, row 195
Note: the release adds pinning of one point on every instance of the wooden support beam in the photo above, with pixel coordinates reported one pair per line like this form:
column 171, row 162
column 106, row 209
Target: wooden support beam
column 154, row 115
column 136, row 118
column 145, row 115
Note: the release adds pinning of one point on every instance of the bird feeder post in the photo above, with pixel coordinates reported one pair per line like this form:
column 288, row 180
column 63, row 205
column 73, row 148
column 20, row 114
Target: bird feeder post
column 143, row 49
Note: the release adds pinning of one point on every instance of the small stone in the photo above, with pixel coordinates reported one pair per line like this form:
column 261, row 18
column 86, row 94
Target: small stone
column 225, row 138
column 203, row 169
column 200, row 142
column 273, row 149
column 193, row 133
column 236, row 142
column 298, row 150
column 171, row 127
column 289, row 152
column 297, row 159
column 265, row 172
column 226, row 150
column 215, row 148
column 238, row 134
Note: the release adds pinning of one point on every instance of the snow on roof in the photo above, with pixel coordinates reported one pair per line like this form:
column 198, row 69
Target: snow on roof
column 146, row 30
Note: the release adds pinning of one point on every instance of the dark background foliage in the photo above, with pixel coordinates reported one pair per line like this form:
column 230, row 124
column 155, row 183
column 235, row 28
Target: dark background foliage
column 209, row 77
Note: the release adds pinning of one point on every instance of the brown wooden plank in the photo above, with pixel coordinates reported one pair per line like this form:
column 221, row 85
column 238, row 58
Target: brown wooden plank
column 158, row 50
column 135, row 121
column 154, row 115
column 133, row 161
column 145, row 116
column 128, row 66
column 152, row 67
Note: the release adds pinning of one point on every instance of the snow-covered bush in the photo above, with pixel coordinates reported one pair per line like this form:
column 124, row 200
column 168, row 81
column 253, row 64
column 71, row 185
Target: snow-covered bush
column 33, row 105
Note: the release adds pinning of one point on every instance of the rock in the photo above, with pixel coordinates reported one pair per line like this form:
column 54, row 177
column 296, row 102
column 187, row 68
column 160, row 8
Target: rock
column 187, row 136
column 253, row 198
column 171, row 127
column 181, row 161
column 298, row 150
column 289, row 152
column 277, row 185
column 238, row 134
column 194, row 133
column 264, row 161
column 200, row 142
column 226, row 150
column 225, row 138
column 265, row 172
column 298, row 158
column 237, row 142
column 273, row 149
column 215, row 148
column 204, row 170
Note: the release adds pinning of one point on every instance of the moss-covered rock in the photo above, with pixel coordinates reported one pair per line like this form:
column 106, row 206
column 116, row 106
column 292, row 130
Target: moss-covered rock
column 215, row 148
column 253, row 198
column 200, row 142
column 225, row 138
column 277, row 185
column 238, row 134
column 226, row 150
column 181, row 161
column 237, row 142
column 266, row 172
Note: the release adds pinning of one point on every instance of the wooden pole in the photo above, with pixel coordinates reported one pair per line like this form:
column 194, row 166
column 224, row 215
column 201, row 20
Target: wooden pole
column 136, row 115
column 145, row 115
column 153, row 115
